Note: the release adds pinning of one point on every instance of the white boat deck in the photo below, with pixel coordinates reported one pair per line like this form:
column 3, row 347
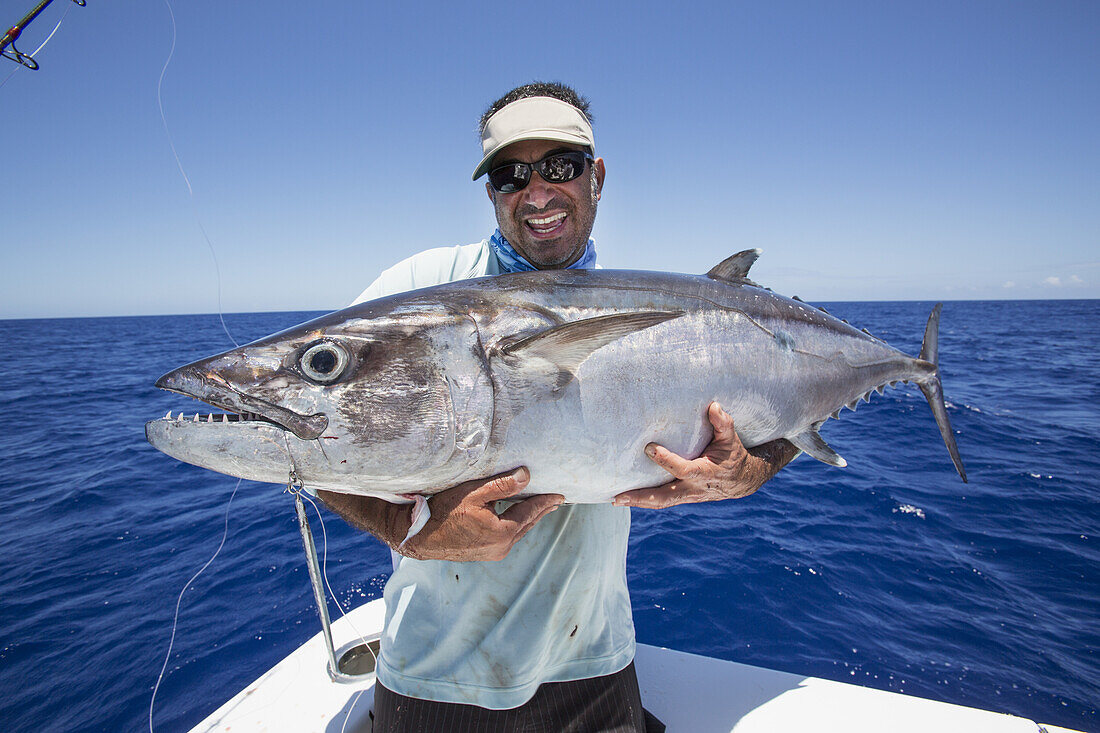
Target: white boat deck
column 689, row 693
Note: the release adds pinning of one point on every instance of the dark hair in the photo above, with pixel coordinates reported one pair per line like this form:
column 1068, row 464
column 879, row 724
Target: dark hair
column 554, row 89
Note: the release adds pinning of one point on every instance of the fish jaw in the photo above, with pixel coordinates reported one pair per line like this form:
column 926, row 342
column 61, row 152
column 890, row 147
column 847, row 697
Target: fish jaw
column 212, row 388
column 251, row 440
column 249, row 449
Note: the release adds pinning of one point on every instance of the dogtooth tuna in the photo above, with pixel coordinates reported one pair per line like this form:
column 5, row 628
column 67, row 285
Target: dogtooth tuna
column 568, row 372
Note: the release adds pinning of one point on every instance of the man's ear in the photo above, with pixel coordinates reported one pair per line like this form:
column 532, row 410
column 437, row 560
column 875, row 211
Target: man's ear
column 601, row 171
column 489, row 192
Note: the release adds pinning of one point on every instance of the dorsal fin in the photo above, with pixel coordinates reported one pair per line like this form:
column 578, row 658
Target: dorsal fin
column 735, row 269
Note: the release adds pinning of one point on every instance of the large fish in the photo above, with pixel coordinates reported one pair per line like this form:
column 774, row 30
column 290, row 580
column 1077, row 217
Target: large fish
column 568, row 372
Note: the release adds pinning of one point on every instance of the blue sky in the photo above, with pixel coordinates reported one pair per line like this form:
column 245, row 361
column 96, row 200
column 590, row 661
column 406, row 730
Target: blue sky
column 936, row 150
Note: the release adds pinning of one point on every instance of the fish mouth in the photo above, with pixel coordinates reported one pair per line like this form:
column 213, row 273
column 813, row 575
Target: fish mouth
column 214, row 390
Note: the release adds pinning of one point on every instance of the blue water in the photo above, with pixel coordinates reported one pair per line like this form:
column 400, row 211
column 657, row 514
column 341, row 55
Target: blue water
column 889, row 573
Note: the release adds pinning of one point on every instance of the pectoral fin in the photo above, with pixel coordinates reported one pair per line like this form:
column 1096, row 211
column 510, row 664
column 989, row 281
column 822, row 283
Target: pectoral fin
column 810, row 442
column 551, row 358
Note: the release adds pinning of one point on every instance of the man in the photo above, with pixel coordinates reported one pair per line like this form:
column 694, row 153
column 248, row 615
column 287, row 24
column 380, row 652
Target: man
column 543, row 637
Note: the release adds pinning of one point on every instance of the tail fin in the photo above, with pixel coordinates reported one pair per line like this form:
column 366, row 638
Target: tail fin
column 933, row 390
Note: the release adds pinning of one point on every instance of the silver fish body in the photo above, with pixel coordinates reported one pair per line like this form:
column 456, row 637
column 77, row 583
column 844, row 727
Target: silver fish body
column 570, row 373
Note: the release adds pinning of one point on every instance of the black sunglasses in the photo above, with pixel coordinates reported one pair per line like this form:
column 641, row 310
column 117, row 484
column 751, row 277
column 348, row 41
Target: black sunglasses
column 554, row 168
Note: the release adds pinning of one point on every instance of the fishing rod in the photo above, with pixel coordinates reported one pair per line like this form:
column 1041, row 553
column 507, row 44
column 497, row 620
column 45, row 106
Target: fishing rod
column 7, row 43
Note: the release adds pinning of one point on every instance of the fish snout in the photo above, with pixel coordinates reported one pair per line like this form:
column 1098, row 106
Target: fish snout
column 186, row 380
column 194, row 381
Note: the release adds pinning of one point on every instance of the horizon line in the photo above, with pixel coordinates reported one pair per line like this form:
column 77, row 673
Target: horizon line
column 4, row 318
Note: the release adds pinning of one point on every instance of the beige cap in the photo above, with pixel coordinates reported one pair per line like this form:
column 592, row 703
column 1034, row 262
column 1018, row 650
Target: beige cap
column 533, row 118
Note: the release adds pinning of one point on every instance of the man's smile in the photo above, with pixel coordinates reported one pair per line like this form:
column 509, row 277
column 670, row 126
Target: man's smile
column 547, row 226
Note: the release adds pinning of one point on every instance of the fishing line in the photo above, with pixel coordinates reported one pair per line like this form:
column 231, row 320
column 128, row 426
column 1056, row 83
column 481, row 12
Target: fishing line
column 354, row 702
column 186, row 180
column 67, row 9
column 175, row 619
column 32, row 54
column 217, row 270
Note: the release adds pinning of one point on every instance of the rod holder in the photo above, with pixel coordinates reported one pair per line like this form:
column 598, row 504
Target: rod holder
column 318, row 592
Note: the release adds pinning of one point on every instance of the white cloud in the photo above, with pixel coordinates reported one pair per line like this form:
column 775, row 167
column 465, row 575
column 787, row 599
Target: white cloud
column 1009, row 284
column 1076, row 280
column 1053, row 281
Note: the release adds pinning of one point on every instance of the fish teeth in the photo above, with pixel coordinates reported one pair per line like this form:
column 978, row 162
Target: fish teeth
column 225, row 418
column 168, row 416
column 836, row 414
column 210, row 418
column 196, row 417
column 881, row 388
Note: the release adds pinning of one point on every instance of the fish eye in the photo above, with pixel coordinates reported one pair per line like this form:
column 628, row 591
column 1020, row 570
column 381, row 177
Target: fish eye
column 323, row 362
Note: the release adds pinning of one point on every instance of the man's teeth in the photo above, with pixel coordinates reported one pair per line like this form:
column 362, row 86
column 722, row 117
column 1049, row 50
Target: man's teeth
column 547, row 222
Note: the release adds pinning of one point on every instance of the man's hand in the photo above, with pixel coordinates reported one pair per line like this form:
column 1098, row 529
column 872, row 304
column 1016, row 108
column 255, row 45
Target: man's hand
column 464, row 525
column 725, row 470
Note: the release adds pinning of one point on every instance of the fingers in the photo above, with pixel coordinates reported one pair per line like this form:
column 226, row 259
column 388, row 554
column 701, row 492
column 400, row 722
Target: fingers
column 677, row 465
column 725, row 439
column 501, row 486
column 485, row 490
column 526, row 514
column 722, row 422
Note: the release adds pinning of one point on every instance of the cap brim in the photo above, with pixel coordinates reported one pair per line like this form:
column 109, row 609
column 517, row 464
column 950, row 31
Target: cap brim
column 553, row 135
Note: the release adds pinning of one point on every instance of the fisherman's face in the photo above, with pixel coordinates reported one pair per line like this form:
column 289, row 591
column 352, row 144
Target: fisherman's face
column 548, row 223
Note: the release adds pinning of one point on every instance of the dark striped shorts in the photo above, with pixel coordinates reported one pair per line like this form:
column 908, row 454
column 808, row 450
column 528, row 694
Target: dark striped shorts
column 610, row 704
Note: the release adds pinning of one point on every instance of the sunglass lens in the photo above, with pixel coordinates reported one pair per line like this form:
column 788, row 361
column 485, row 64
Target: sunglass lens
column 510, row 178
column 561, row 168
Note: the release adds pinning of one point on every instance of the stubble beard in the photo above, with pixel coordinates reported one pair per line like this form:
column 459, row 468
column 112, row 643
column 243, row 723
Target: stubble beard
column 584, row 227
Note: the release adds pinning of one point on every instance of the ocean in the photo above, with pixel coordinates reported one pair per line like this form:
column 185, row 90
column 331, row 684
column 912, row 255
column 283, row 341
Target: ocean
column 890, row 573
